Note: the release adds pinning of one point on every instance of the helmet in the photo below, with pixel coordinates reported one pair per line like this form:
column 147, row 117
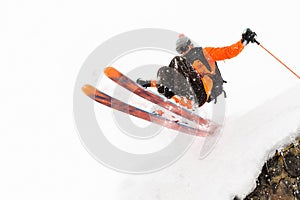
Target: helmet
column 183, row 43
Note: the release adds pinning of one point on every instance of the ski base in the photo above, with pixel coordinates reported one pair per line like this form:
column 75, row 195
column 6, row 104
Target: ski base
column 116, row 104
column 132, row 86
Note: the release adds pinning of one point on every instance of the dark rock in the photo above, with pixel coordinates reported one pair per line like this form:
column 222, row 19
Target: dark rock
column 280, row 177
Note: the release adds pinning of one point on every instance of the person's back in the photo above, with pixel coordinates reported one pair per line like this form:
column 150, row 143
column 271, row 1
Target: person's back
column 196, row 55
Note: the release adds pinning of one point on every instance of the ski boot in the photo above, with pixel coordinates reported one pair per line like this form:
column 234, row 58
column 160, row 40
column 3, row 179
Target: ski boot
column 146, row 83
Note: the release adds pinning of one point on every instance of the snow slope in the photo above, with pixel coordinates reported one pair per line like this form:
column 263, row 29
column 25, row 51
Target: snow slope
column 232, row 167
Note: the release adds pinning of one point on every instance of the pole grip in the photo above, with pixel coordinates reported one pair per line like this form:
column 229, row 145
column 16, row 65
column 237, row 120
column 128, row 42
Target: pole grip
column 258, row 43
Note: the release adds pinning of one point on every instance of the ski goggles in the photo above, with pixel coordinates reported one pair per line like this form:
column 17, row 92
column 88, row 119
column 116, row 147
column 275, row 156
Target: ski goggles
column 182, row 48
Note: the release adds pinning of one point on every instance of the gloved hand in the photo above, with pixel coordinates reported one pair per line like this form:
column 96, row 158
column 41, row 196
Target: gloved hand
column 248, row 36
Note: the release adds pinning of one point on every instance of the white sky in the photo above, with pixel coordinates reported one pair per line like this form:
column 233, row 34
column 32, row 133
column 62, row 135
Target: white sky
column 44, row 44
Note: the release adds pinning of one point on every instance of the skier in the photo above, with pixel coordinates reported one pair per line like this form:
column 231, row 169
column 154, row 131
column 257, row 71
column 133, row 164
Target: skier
column 194, row 77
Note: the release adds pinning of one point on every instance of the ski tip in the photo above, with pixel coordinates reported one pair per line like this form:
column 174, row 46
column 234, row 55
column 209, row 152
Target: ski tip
column 89, row 90
column 111, row 72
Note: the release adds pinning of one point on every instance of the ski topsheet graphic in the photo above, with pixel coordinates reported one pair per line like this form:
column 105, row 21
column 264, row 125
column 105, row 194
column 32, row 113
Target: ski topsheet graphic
column 204, row 128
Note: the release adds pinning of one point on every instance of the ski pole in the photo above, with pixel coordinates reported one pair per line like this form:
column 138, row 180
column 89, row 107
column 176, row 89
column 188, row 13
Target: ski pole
column 276, row 58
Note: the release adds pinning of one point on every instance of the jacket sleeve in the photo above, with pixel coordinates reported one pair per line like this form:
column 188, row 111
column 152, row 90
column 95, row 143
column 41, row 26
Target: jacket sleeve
column 222, row 53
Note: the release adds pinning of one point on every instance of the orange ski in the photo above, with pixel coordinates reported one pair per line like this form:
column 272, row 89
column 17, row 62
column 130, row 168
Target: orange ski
column 116, row 104
column 132, row 86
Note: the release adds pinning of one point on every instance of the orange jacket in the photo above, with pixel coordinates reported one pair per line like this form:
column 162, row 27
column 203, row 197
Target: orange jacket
column 212, row 55
column 222, row 53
